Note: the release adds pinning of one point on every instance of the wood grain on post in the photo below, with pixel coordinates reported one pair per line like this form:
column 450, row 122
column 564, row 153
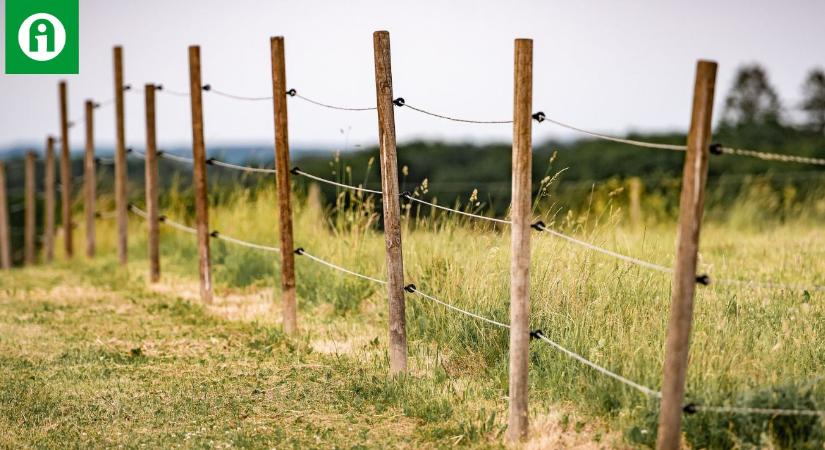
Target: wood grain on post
column 65, row 174
column 5, row 231
column 290, row 319
column 29, row 224
column 199, row 174
column 691, row 205
column 90, row 180
column 391, row 202
column 151, row 174
column 49, row 203
column 520, row 239
column 121, row 194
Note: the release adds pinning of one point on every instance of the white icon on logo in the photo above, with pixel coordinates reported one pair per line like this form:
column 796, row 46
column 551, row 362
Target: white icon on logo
column 41, row 37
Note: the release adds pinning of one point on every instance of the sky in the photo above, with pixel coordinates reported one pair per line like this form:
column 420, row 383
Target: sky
column 603, row 65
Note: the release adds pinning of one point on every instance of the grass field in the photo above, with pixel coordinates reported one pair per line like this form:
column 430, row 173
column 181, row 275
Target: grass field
column 94, row 356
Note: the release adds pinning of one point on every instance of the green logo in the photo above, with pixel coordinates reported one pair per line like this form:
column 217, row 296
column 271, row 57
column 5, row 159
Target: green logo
column 42, row 36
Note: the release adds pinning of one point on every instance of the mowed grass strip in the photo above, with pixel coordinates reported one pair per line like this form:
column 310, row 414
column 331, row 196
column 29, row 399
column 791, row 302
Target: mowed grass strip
column 88, row 366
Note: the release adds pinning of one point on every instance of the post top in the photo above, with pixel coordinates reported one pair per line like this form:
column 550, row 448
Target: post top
column 276, row 38
column 381, row 33
column 524, row 40
column 707, row 62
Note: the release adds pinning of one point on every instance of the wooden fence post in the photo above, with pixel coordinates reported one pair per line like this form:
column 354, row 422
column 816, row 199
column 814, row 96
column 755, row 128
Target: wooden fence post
column 90, row 180
column 199, row 175
column 391, row 202
column 691, row 205
column 29, row 225
column 520, row 239
column 65, row 174
column 290, row 319
column 5, row 231
column 152, row 185
column 48, row 188
column 635, row 193
column 121, row 194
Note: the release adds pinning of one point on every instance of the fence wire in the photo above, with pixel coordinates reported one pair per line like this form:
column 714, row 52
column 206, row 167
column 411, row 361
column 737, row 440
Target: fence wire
column 294, row 93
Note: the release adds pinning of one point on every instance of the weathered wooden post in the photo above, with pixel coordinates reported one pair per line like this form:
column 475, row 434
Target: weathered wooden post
column 199, row 173
column 29, row 225
column 520, row 239
column 121, row 194
column 5, row 231
column 391, row 202
column 151, row 168
column 65, row 174
column 290, row 319
column 691, row 205
column 635, row 193
column 90, row 180
column 48, row 204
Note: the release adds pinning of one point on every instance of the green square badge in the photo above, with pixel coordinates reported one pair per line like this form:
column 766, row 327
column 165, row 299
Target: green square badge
column 42, row 36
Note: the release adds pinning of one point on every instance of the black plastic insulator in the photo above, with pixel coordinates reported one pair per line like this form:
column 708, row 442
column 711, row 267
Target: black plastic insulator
column 539, row 117
column 129, row 150
column 294, row 170
column 159, row 153
column 207, row 87
column 703, row 279
column 291, row 92
column 97, row 160
column 210, row 161
column 96, row 105
column 159, row 87
column 539, row 226
column 127, row 87
column 715, row 148
column 690, row 408
column 399, row 101
column 405, row 194
column 161, row 218
column 214, row 234
column 299, row 251
column 409, row 288
column 536, row 334
column 98, row 215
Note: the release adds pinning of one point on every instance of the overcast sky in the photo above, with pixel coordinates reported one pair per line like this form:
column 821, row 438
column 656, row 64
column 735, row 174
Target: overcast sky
column 604, row 65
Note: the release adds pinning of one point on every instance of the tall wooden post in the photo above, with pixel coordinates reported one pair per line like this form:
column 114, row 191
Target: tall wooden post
column 152, row 186
column 49, row 203
column 90, row 180
column 199, row 175
column 290, row 307
column 391, row 202
column 5, row 231
column 121, row 195
column 29, row 225
column 65, row 174
column 520, row 239
column 691, row 205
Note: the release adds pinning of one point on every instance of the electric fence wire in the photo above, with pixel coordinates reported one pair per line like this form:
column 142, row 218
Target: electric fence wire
column 401, row 102
column 249, row 169
column 209, row 88
column 294, row 93
column 298, row 171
